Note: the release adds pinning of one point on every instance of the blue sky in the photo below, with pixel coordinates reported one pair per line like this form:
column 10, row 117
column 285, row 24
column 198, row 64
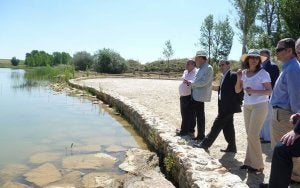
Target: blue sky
column 137, row 29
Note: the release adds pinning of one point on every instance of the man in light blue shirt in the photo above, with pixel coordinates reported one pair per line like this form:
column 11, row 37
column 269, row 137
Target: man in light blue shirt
column 285, row 98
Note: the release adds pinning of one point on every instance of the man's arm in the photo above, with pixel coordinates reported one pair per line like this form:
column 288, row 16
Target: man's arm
column 203, row 79
column 290, row 137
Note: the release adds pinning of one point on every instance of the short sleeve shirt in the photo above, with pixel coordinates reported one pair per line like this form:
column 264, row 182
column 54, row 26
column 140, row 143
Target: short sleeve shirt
column 255, row 82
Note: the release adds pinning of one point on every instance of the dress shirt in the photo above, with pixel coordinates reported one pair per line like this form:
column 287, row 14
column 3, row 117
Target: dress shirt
column 286, row 92
column 185, row 90
column 221, row 82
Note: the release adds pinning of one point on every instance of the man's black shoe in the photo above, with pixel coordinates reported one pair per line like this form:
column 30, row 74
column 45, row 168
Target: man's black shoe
column 228, row 150
column 263, row 185
column 200, row 145
column 198, row 138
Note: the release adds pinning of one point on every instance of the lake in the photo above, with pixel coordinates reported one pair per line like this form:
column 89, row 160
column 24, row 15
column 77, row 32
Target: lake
column 39, row 125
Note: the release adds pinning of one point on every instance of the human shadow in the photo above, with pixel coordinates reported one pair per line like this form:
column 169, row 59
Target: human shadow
column 229, row 162
column 233, row 166
column 266, row 149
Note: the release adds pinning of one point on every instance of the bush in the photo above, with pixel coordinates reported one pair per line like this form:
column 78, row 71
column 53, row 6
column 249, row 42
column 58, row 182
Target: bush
column 14, row 61
column 108, row 61
column 82, row 60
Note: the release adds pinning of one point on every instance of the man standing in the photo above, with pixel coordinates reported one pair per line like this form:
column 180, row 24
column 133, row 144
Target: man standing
column 229, row 103
column 273, row 71
column 201, row 92
column 285, row 98
column 185, row 98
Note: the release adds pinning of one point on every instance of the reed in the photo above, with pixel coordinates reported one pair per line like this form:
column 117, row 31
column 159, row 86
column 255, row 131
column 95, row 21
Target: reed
column 60, row 73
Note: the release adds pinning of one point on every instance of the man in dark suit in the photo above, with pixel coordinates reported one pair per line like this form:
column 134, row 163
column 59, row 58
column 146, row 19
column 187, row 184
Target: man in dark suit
column 229, row 103
column 284, row 151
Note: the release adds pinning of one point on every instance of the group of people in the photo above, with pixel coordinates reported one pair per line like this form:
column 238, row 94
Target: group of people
column 271, row 107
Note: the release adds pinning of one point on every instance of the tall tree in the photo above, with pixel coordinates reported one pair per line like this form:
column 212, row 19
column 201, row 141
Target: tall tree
column 289, row 10
column 206, row 35
column 222, row 39
column 247, row 11
column 168, row 52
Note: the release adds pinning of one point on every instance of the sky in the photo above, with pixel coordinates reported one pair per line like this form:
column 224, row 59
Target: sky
column 137, row 29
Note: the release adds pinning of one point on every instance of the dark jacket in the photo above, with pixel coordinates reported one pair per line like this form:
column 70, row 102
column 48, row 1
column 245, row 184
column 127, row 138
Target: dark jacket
column 272, row 69
column 230, row 101
column 297, row 127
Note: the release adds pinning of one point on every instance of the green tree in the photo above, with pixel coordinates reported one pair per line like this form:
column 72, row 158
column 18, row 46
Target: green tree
column 247, row 11
column 222, row 39
column 82, row 60
column 38, row 58
column 61, row 58
column 168, row 52
column 206, row 36
column 14, row 61
column 289, row 10
column 108, row 61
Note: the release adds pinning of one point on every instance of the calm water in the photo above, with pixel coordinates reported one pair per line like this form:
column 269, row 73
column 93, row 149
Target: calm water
column 35, row 119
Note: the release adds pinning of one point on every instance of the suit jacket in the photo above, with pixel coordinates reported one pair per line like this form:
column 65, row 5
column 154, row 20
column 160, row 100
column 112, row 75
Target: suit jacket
column 272, row 69
column 202, row 84
column 231, row 101
column 297, row 127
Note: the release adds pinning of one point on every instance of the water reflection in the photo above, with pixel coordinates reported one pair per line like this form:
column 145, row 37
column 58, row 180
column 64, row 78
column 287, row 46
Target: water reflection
column 39, row 126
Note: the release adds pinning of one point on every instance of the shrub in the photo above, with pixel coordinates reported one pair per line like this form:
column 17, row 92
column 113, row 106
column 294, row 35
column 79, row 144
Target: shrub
column 82, row 60
column 14, row 61
column 108, row 61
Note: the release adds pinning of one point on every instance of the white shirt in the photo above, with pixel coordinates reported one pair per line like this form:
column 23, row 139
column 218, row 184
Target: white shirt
column 255, row 82
column 221, row 82
column 185, row 90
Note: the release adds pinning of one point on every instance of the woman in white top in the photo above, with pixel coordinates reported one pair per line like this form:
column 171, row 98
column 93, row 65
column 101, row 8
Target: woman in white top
column 256, row 83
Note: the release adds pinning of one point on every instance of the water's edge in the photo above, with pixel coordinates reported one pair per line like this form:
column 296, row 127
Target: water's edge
column 147, row 128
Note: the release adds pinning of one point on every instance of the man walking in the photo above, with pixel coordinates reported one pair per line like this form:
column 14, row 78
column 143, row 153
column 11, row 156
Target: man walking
column 201, row 92
column 229, row 102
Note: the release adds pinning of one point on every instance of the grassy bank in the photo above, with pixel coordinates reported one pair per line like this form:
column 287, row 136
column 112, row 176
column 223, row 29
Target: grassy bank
column 5, row 63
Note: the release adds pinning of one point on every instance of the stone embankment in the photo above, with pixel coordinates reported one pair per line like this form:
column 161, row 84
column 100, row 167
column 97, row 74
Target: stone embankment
column 152, row 106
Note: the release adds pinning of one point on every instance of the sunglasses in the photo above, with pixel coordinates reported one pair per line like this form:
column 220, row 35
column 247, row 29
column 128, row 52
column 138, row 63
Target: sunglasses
column 221, row 65
column 277, row 50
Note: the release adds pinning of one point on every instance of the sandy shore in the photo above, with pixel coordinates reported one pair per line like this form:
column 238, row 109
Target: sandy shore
column 161, row 97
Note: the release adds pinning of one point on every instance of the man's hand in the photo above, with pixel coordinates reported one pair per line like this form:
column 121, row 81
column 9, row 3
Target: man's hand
column 289, row 138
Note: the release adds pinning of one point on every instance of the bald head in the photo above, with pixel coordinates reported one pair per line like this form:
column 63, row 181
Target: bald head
column 297, row 47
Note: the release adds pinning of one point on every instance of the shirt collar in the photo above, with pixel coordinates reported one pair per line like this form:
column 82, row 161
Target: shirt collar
column 288, row 62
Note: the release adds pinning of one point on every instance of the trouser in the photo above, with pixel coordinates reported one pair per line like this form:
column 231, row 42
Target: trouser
column 198, row 114
column 282, row 164
column 265, row 131
column 222, row 122
column 280, row 126
column 254, row 116
column 186, row 113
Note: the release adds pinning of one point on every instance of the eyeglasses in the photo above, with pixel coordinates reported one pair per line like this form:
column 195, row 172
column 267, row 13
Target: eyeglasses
column 221, row 65
column 277, row 50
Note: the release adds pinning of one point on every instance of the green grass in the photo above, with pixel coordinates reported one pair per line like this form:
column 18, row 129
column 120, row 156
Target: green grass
column 5, row 63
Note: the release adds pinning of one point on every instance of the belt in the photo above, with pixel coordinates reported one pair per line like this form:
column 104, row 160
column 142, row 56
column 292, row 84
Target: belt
column 274, row 107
